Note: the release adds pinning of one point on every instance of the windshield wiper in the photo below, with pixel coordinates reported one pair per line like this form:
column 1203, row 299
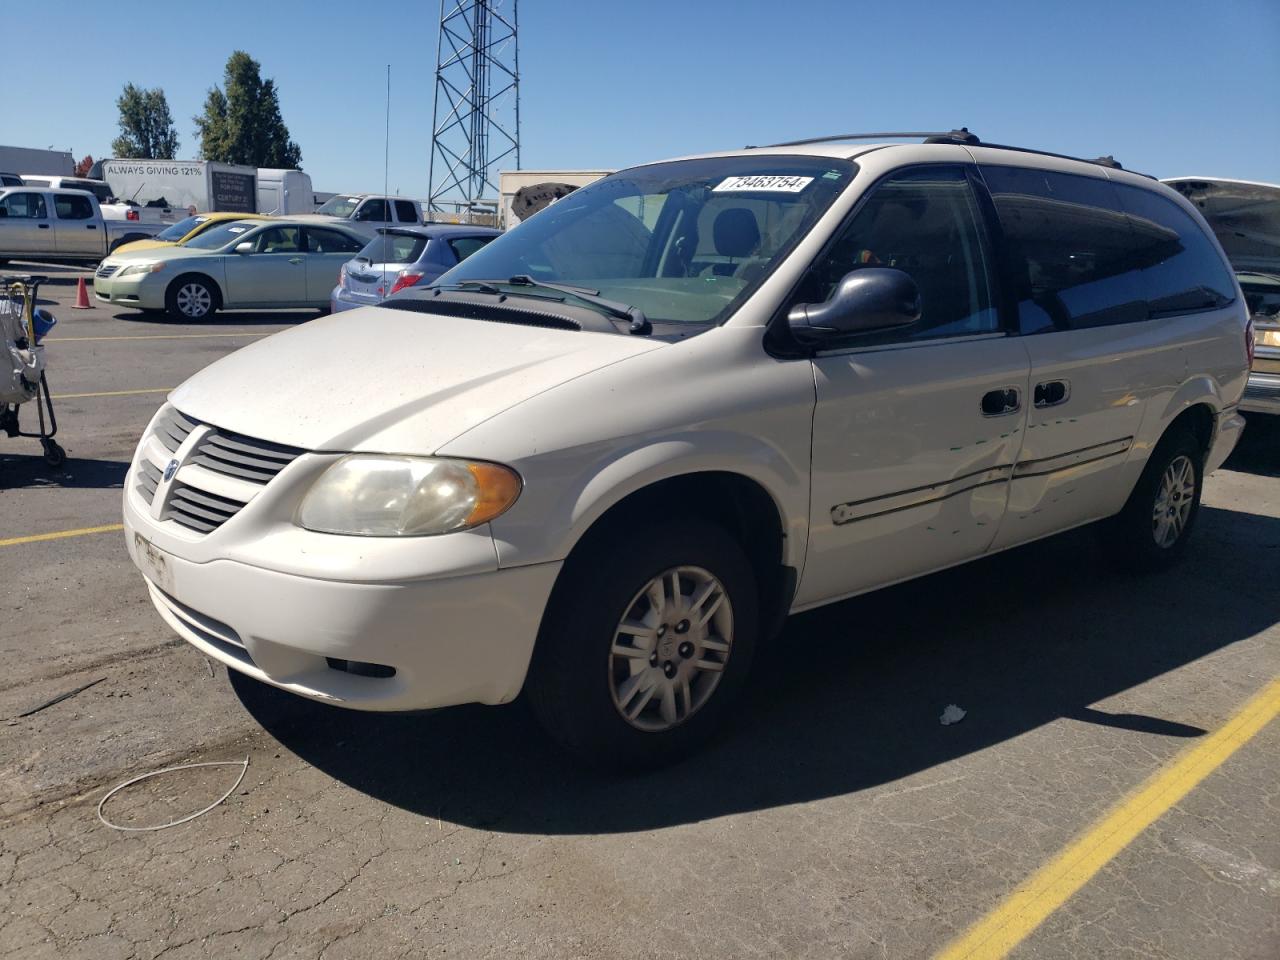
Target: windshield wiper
column 638, row 323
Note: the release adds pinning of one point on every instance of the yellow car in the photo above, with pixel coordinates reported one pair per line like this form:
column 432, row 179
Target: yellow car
column 184, row 230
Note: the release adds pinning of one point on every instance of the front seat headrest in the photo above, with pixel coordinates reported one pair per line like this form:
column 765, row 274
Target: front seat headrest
column 736, row 232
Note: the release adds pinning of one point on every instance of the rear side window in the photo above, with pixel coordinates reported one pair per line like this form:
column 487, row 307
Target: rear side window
column 320, row 240
column 1182, row 271
column 24, row 206
column 1072, row 259
column 70, row 207
column 464, row 247
column 406, row 211
column 372, row 210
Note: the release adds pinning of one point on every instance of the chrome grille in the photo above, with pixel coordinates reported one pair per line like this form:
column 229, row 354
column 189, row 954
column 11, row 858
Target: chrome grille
column 105, row 271
column 231, row 470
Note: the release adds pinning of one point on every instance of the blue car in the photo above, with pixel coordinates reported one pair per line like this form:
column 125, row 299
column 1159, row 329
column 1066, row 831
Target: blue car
column 401, row 257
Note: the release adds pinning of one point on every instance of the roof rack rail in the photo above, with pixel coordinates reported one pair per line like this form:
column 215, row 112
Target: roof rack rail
column 960, row 136
column 929, row 136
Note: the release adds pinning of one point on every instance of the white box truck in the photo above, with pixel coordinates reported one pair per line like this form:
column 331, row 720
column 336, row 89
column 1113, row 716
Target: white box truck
column 203, row 184
column 284, row 192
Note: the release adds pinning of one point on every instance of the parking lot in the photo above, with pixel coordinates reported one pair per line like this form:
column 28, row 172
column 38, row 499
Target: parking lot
column 837, row 818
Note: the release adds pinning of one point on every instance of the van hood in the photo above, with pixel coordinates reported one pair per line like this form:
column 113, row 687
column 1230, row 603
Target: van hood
column 1244, row 215
column 390, row 381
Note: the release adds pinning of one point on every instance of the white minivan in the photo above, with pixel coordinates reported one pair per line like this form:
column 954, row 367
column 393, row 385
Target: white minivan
column 605, row 456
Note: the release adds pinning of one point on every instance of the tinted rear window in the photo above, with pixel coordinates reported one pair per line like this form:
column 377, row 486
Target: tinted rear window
column 406, row 211
column 1071, row 257
column 394, row 248
column 1186, row 273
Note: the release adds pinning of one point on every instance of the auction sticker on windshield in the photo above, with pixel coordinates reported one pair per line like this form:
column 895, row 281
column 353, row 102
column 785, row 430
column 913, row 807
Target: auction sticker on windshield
column 764, row 183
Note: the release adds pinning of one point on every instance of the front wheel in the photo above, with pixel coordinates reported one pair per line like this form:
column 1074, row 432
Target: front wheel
column 1152, row 530
column 646, row 644
column 191, row 298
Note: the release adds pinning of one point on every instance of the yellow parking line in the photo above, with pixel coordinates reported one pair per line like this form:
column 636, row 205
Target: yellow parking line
column 1019, row 914
column 110, row 393
column 83, row 531
column 159, row 336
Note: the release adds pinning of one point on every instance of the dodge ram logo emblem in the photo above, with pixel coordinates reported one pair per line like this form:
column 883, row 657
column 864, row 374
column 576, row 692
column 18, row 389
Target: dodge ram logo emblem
column 170, row 470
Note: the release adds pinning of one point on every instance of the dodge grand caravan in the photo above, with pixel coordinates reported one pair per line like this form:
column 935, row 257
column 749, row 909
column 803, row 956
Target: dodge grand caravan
column 604, row 457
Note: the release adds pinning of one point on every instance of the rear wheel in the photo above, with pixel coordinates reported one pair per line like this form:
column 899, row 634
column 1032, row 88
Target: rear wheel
column 646, row 644
column 191, row 298
column 1152, row 530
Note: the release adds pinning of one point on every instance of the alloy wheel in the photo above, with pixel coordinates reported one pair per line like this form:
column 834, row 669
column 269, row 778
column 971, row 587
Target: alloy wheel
column 1174, row 498
column 194, row 300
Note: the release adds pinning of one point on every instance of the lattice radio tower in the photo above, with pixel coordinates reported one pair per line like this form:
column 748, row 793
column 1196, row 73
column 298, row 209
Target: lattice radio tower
column 475, row 124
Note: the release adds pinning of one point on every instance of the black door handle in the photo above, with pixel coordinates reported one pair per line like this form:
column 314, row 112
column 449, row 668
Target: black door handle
column 91, row 226
column 997, row 403
column 1051, row 393
column 43, row 226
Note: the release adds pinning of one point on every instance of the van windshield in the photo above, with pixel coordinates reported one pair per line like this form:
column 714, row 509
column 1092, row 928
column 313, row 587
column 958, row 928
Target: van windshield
column 220, row 236
column 339, row 206
column 685, row 241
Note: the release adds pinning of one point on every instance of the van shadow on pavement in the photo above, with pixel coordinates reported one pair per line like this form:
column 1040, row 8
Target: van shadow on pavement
column 1258, row 451
column 242, row 318
column 848, row 698
column 19, row 470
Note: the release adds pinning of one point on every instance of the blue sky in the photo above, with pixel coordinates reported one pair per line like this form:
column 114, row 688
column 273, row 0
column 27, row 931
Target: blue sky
column 1169, row 87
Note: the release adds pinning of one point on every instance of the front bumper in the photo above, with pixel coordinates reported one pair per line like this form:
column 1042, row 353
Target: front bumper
column 140, row 291
column 450, row 637
column 1262, row 395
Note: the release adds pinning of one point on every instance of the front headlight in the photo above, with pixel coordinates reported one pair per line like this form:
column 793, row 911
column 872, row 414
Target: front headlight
column 391, row 496
column 137, row 268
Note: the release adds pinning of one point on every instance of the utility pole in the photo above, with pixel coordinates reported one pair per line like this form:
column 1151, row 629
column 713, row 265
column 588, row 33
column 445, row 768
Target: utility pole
column 475, row 123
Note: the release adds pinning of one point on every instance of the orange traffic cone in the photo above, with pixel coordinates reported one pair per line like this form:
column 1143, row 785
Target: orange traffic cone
column 82, row 296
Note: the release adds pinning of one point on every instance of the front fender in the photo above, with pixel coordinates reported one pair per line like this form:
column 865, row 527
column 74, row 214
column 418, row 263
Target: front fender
column 557, row 510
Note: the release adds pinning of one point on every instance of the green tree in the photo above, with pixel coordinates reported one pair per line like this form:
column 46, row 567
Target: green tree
column 146, row 126
column 241, row 122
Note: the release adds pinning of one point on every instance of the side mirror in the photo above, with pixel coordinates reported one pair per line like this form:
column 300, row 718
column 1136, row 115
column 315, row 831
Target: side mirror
column 873, row 298
column 245, row 247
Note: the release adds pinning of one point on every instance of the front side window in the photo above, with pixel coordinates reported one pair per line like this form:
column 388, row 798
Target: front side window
column 1073, row 259
column 71, row 207
column 926, row 223
column 24, row 206
column 279, row 240
column 375, row 210
column 685, row 241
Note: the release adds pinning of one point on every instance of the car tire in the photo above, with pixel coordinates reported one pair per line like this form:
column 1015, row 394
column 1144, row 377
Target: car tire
column 1152, row 530
column 626, row 684
column 191, row 297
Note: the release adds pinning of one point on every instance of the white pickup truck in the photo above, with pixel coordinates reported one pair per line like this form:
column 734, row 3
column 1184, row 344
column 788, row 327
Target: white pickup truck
column 54, row 225
column 366, row 212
